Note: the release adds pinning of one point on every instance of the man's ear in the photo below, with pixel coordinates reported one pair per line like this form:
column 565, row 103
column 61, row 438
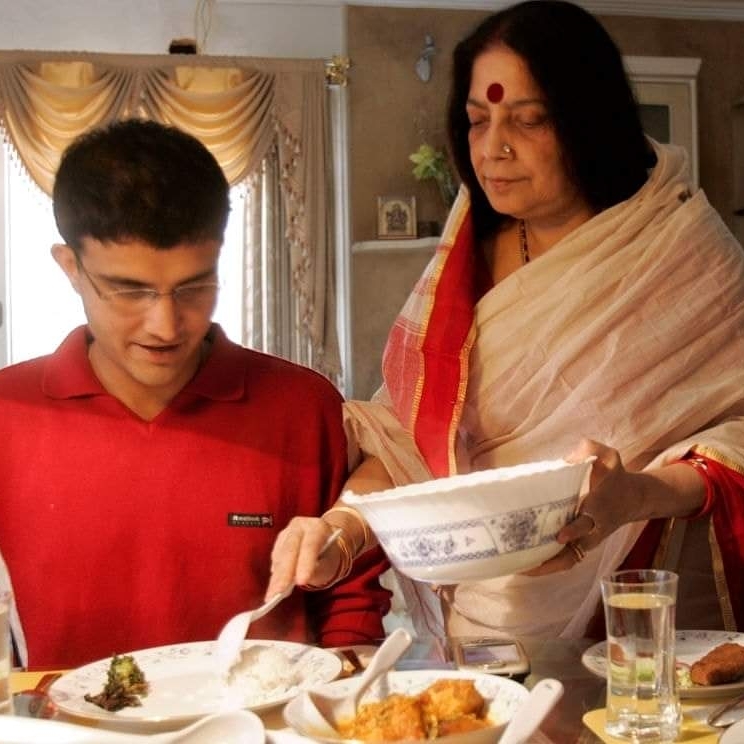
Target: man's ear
column 65, row 258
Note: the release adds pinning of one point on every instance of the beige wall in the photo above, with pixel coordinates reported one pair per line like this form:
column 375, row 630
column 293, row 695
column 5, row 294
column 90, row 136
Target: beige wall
column 392, row 112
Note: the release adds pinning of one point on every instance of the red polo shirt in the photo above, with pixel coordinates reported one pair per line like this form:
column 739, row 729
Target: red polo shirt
column 121, row 534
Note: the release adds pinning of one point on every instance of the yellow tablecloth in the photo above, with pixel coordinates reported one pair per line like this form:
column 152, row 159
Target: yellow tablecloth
column 694, row 728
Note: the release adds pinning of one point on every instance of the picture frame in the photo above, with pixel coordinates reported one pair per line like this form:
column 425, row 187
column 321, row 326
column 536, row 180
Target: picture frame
column 396, row 217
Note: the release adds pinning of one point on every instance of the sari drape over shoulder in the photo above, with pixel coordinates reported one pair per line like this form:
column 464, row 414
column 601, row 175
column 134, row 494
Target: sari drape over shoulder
column 629, row 331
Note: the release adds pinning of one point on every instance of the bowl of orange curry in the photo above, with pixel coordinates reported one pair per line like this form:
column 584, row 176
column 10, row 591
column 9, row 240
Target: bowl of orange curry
column 452, row 706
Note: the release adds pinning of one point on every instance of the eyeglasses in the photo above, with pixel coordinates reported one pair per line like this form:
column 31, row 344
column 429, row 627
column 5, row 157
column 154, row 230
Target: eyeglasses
column 194, row 295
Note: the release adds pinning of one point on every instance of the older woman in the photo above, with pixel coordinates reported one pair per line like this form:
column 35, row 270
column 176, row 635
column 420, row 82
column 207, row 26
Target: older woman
column 581, row 294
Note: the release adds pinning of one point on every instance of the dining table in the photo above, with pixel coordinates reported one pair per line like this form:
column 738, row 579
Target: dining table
column 577, row 718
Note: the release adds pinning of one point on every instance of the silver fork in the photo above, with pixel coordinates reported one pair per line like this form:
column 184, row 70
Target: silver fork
column 231, row 637
column 718, row 715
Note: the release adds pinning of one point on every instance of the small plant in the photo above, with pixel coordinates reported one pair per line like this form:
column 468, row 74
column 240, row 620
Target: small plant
column 429, row 162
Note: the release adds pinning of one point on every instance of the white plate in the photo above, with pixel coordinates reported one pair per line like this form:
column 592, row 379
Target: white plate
column 734, row 734
column 690, row 646
column 184, row 685
column 503, row 696
column 18, row 730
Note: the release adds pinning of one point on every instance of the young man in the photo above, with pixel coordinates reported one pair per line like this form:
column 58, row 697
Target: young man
column 149, row 463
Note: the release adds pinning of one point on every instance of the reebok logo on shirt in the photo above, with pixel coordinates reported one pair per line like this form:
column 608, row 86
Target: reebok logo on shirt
column 236, row 519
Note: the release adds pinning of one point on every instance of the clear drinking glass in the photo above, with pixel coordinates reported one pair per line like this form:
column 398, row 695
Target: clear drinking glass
column 642, row 698
column 6, row 699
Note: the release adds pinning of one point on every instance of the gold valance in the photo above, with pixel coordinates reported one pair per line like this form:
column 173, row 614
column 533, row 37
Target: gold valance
column 236, row 106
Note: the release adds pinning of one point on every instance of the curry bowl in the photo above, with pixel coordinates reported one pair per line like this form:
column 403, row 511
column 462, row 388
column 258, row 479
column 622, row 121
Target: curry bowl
column 478, row 525
column 501, row 698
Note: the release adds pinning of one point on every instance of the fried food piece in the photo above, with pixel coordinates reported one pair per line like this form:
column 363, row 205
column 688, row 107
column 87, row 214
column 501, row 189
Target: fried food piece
column 125, row 682
column 724, row 663
column 461, row 725
column 448, row 706
column 447, row 699
column 395, row 718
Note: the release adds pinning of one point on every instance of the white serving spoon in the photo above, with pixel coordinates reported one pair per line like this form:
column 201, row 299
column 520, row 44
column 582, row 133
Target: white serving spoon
column 530, row 714
column 234, row 727
column 231, row 637
column 338, row 708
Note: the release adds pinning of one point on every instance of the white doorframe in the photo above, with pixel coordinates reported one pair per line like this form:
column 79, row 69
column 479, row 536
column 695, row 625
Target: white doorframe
column 340, row 146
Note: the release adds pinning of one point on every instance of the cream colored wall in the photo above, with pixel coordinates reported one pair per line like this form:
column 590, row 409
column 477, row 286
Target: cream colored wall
column 382, row 279
column 392, row 111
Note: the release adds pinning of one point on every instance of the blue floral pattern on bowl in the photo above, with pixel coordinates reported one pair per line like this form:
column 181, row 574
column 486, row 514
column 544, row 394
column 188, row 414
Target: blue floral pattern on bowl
column 469, row 539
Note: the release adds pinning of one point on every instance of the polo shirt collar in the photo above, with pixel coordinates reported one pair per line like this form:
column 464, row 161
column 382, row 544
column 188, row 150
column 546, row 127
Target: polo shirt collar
column 68, row 373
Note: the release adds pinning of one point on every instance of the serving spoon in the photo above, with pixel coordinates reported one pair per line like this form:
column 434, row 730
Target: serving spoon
column 231, row 637
column 337, row 708
column 530, row 714
column 35, row 702
column 233, row 727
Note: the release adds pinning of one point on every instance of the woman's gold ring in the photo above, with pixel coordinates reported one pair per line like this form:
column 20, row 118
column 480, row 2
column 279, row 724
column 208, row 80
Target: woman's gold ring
column 594, row 521
column 578, row 552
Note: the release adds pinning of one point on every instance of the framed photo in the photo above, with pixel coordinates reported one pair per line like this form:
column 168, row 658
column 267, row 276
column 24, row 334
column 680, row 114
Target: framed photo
column 396, row 217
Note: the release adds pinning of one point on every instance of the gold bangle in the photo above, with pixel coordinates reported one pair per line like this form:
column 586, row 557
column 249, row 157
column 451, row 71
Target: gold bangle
column 578, row 552
column 343, row 570
column 366, row 533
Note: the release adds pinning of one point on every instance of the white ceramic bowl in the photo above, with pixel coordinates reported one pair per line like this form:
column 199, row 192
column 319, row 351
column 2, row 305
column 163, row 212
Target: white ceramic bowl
column 475, row 526
column 503, row 696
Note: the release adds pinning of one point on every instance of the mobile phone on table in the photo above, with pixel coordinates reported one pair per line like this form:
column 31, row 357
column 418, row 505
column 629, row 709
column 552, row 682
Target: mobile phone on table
column 492, row 655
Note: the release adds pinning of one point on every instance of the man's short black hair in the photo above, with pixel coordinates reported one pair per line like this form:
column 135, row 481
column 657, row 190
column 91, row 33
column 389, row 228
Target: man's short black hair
column 138, row 179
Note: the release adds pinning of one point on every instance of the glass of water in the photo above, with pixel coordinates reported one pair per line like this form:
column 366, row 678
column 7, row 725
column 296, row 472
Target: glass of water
column 6, row 699
column 642, row 698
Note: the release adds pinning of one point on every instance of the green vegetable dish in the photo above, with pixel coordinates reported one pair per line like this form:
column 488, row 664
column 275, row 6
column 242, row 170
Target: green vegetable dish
column 125, row 685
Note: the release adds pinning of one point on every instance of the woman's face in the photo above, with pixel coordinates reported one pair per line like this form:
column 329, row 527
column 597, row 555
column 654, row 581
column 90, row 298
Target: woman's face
column 529, row 181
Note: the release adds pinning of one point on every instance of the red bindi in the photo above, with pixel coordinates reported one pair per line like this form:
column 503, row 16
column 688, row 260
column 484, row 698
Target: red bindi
column 495, row 92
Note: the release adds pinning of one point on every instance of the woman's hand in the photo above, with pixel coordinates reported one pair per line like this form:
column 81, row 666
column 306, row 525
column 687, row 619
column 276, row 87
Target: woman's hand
column 617, row 497
column 613, row 500
column 294, row 557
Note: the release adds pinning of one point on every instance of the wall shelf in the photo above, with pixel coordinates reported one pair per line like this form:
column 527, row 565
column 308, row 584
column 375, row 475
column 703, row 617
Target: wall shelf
column 400, row 244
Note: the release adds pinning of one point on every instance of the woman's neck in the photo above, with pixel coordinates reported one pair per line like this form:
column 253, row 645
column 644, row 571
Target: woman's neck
column 543, row 233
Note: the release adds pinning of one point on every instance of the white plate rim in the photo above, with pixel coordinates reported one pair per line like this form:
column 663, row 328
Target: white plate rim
column 67, row 692
column 734, row 734
column 594, row 659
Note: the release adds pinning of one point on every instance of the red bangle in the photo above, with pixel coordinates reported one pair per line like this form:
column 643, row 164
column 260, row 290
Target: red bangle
column 701, row 465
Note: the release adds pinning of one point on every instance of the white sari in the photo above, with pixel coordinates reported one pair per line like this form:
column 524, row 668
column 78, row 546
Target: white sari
column 629, row 331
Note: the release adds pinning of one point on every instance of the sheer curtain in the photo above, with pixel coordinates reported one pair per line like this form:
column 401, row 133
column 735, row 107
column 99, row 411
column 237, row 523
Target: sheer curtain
column 266, row 122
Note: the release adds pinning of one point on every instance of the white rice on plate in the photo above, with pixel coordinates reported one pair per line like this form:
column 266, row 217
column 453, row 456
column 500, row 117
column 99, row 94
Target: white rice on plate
column 263, row 673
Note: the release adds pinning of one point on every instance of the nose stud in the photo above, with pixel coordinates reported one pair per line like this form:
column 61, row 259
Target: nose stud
column 507, row 149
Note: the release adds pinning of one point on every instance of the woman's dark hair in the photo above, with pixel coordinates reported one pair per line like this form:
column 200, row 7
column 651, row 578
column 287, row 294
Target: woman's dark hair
column 580, row 72
column 138, row 179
